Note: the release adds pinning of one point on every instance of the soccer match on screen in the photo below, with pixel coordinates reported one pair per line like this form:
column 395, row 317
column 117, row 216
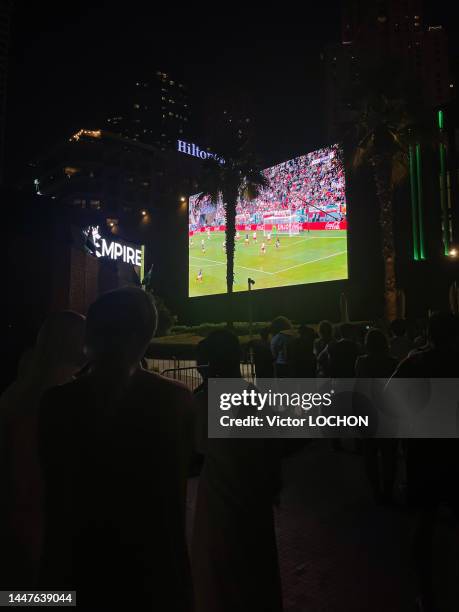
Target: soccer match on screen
column 294, row 232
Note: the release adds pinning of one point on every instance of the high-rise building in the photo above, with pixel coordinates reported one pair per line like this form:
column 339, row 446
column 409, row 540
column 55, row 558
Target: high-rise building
column 390, row 29
column 393, row 35
column 156, row 112
column 5, row 22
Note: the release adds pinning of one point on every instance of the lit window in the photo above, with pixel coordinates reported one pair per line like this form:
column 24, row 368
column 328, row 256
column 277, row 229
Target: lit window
column 70, row 171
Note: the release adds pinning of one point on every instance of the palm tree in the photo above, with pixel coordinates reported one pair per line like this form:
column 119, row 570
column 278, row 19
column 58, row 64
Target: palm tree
column 238, row 178
column 378, row 136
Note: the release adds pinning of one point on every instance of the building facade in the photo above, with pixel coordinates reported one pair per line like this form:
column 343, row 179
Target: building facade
column 394, row 33
column 6, row 7
column 157, row 111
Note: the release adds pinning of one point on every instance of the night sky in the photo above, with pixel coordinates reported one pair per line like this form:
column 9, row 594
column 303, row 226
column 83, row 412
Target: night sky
column 69, row 67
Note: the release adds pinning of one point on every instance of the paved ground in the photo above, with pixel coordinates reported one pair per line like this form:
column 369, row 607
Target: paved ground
column 338, row 551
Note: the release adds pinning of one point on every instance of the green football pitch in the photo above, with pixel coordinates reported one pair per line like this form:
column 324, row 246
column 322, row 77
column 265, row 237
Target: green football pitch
column 310, row 257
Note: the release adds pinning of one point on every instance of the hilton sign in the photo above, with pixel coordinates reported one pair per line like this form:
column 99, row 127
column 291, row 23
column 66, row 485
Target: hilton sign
column 189, row 148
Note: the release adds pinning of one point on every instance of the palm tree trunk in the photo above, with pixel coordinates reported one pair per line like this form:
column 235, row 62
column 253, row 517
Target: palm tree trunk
column 230, row 235
column 382, row 177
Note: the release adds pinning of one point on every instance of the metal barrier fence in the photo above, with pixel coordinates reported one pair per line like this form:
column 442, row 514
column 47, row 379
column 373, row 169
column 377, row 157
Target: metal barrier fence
column 190, row 376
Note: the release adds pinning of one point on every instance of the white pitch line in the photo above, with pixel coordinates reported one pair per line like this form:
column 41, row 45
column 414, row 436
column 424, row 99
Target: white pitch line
column 236, row 266
column 309, row 262
column 297, row 242
column 220, row 263
column 203, row 265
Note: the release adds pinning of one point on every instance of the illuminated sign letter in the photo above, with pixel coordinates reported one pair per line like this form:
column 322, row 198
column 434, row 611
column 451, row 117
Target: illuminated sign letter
column 138, row 257
column 107, row 251
column 130, row 255
column 181, row 146
column 118, row 251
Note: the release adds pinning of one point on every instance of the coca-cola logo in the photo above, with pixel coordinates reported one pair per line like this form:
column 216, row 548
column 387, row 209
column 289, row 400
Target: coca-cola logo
column 332, row 225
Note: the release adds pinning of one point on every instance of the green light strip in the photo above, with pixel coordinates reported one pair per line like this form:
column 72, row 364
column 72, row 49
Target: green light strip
column 443, row 202
column 420, row 204
column 142, row 265
column 441, row 119
column 414, row 212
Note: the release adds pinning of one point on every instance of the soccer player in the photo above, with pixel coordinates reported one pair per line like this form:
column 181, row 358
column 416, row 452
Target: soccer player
column 237, row 236
column 269, row 236
column 263, row 248
column 203, row 246
column 254, row 236
column 246, row 239
column 277, row 243
column 224, row 246
column 191, row 241
column 199, row 276
column 208, row 233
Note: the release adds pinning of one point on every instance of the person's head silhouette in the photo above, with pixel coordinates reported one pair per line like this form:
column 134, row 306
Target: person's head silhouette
column 376, row 342
column 120, row 325
column 280, row 324
column 224, row 354
column 307, row 335
column 325, row 331
column 398, row 327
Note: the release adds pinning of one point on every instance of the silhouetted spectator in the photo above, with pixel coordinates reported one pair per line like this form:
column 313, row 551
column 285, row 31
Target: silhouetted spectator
column 200, row 403
column 380, row 454
column 376, row 362
column 115, row 448
column 323, row 357
column 262, row 355
column 343, row 354
column 56, row 358
column 200, row 409
column 202, row 362
column 280, row 343
column 234, row 554
column 325, row 336
column 400, row 344
column 432, row 464
column 303, row 358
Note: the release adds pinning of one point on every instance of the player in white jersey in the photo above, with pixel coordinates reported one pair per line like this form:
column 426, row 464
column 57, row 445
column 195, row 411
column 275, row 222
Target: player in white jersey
column 254, row 236
column 269, row 236
column 203, row 246
column 277, row 243
column 208, row 233
column 237, row 236
column 246, row 239
column 263, row 248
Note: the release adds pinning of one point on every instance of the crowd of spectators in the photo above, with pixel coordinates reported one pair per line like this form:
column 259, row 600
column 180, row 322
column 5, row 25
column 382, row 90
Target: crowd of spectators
column 96, row 453
column 309, row 188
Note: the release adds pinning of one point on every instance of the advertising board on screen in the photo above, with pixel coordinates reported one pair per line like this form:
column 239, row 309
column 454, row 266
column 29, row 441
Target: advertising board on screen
column 293, row 233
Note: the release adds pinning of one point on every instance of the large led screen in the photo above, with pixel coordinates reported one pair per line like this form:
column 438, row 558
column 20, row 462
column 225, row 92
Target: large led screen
column 294, row 232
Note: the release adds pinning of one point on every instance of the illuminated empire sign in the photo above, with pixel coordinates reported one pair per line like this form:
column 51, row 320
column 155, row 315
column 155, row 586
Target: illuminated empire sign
column 189, row 148
column 100, row 247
